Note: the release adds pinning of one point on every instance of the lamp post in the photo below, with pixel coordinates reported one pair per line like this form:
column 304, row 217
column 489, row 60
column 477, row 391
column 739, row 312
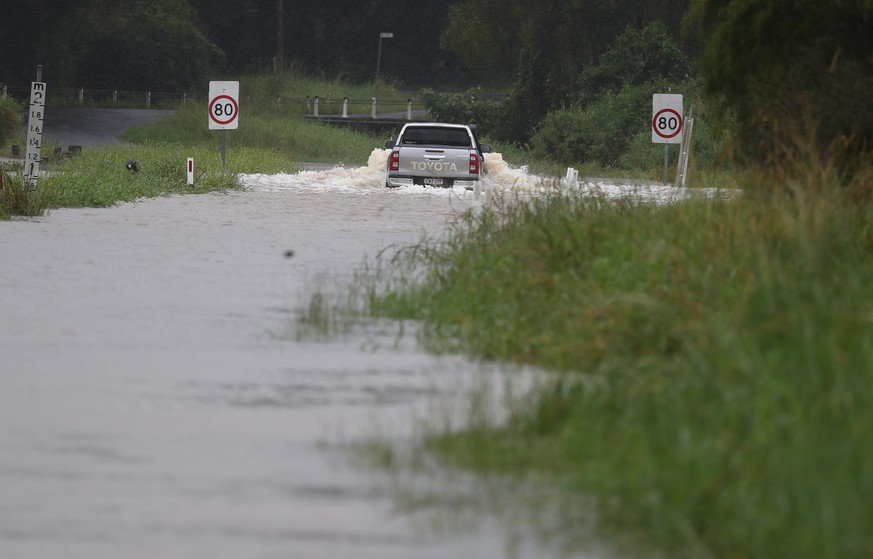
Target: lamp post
column 379, row 56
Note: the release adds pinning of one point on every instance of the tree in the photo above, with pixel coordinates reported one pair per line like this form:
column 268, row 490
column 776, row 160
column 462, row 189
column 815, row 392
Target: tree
column 546, row 46
column 142, row 46
column 779, row 65
column 637, row 57
column 29, row 37
column 133, row 44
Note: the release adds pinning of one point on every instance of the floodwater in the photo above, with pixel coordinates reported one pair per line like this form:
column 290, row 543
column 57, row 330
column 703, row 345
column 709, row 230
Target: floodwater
column 155, row 403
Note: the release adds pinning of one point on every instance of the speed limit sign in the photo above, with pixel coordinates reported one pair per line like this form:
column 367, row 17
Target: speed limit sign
column 223, row 105
column 667, row 118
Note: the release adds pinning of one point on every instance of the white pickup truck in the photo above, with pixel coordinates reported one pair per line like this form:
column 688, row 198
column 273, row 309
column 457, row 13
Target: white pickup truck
column 436, row 154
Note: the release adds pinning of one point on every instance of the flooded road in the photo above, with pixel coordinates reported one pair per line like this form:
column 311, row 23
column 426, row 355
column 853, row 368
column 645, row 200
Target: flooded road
column 154, row 402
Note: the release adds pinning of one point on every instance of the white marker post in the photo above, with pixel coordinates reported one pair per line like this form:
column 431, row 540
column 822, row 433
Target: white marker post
column 34, row 133
column 190, row 170
column 223, row 109
column 666, row 122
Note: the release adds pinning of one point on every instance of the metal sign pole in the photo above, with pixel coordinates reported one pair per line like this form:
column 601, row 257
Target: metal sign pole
column 666, row 158
column 383, row 35
column 223, row 146
column 685, row 148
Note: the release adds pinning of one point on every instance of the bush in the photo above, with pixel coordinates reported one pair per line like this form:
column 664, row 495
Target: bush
column 10, row 120
column 615, row 130
column 707, row 145
column 600, row 133
column 465, row 108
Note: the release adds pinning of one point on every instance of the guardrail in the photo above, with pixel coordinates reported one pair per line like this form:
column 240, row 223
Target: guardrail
column 81, row 95
column 314, row 106
column 329, row 107
column 365, row 114
column 372, row 116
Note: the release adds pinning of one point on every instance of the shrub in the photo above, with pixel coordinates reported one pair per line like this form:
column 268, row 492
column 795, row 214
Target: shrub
column 615, row 130
column 707, row 144
column 600, row 133
column 471, row 107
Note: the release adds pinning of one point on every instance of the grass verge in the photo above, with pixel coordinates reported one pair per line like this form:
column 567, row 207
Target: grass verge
column 717, row 395
column 101, row 178
column 283, row 135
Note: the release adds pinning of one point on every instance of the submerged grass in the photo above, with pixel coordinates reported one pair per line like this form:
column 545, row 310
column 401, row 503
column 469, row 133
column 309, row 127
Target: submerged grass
column 101, row 178
column 718, row 394
column 16, row 196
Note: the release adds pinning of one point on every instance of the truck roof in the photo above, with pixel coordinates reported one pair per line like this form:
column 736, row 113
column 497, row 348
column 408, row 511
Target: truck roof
column 436, row 133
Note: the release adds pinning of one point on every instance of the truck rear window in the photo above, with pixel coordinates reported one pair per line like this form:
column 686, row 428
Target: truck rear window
column 455, row 137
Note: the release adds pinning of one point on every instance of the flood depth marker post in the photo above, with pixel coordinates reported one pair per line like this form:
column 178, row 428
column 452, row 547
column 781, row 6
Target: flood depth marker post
column 666, row 122
column 34, row 130
column 223, row 109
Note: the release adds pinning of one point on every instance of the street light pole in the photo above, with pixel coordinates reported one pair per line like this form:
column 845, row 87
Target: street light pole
column 382, row 35
column 279, row 60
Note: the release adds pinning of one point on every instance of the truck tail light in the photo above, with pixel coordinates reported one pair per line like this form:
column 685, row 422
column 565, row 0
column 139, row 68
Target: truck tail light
column 394, row 161
column 474, row 164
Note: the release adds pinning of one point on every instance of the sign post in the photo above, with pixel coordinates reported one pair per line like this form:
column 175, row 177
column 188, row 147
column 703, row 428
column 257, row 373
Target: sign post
column 34, row 133
column 666, row 122
column 223, row 109
column 383, row 35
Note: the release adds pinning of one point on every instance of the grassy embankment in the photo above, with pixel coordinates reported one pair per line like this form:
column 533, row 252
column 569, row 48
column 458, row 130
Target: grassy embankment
column 271, row 138
column 717, row 386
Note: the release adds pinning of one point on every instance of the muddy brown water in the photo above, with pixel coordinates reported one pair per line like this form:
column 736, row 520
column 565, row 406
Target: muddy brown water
column 154, row 401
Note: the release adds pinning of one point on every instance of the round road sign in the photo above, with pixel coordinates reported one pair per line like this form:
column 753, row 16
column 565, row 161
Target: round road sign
column 667, row 123
column 223, row 110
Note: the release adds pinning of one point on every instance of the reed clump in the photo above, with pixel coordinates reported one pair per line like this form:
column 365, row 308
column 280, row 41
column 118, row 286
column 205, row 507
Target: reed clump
column 17, row 198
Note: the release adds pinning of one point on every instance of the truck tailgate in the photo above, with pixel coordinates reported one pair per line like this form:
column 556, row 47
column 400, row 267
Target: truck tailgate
column 434, row 162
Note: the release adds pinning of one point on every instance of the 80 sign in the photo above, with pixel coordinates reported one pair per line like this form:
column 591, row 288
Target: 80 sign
column 223, row 105
column 223, row 110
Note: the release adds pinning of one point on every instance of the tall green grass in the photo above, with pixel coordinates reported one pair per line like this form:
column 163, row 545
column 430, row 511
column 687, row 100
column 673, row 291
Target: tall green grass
column 717, row 395
column 17, row 198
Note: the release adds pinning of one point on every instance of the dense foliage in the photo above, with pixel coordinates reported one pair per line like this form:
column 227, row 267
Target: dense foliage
column 777, row 66
column 472, row 107
column 547, row 46
column 106, row 44
column 169, row 45
column 613, row 105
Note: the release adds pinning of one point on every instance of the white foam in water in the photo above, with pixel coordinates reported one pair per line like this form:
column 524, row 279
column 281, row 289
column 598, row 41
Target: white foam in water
column 500, row 177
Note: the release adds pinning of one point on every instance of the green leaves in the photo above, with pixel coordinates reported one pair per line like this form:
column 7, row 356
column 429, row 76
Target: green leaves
column 780, row 66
